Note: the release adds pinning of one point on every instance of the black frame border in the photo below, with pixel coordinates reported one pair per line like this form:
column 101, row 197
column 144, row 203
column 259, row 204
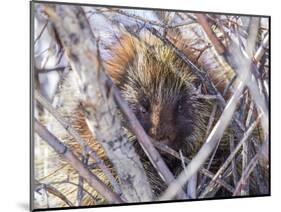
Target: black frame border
column 31, row 110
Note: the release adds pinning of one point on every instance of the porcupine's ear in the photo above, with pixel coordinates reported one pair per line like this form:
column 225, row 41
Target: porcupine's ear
column 122, row 54
column 124, row 51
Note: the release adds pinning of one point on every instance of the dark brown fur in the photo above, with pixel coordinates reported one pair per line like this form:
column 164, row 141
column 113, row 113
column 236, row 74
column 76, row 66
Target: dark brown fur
column 158, row 87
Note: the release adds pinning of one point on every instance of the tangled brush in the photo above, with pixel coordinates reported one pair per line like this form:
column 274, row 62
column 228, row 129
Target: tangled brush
column 184, row 95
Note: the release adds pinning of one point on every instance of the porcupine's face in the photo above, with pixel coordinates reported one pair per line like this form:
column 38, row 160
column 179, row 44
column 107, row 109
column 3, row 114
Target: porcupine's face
column 159, row 92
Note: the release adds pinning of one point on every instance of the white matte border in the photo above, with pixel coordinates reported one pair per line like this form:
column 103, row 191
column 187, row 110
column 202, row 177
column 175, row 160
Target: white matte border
column 14, row 109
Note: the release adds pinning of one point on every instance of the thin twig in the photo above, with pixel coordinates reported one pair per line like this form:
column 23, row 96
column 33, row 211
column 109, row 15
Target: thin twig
column 74, row 184
column 52, row 190
column 209, row 127
column 245, row 175
column 80, row 193
column 229, row 84
column 252, row 164
column 136, row 17
column 259, row 174
column 233, row 162
column 216, row 42
column 245, row 159
column 47, row 70
column 170, row 151
column 184, row 23
column 41, row 32
column 245, row 151
column 261, row 49
column 192, row 183
column 230, row 157
column 207, row 97
column 211, row 120
column 67, row 155
column 183, row 166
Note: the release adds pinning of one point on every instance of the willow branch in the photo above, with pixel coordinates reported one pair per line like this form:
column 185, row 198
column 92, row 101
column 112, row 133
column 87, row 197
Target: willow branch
column 68, row 156
column 77, row 185
column 136, row 17
column 47, row 70
column 249, row 169
column 216, row 42
column 207, row 173
column 233, row 162
column 230, row 157
column 52, row 190
column 41, row 32
column 261, row 49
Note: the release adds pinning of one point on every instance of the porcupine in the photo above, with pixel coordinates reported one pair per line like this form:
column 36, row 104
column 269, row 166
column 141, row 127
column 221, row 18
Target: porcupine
column 162, row 92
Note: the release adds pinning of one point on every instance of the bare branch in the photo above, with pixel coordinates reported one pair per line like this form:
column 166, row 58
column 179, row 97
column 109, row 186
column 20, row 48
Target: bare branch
column 80, row 193
column 252, row 164
column 233, row 162
column 259, row 175
column 52, row 190
column 74, row 184
column 202, row 20
column 41, row 32
column 168, row 150
column 136, row 17
column 67, row 155
column 192, row 183
column 230, row 158
column 47, row 70
column 261, row 49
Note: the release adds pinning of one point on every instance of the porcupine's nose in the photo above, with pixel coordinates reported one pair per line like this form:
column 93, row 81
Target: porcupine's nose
column 162, row 128
column 163, row 132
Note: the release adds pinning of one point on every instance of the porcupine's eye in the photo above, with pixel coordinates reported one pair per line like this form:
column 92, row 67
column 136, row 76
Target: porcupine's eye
column 144, row 106
column 180, row 108
column 142, row 109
